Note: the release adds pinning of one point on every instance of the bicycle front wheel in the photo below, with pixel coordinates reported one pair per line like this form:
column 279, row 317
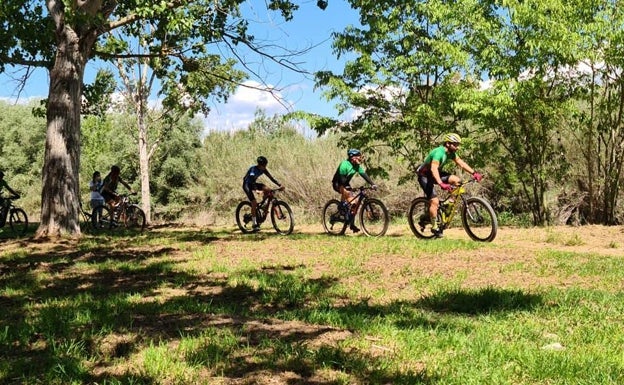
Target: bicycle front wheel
column 282, row 217
column 479, row 219
column 244, row 220
column 334, row 222
column 135, row 218
column 419, row 219
column 18, row 220
column 374, row 218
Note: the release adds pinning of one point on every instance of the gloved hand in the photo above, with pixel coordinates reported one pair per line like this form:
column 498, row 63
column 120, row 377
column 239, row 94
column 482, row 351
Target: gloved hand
column 374, row 187
column 446, row 186
column 477, row 176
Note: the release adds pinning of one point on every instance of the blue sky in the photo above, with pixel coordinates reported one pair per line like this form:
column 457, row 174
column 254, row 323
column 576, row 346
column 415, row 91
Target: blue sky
column 310, row 29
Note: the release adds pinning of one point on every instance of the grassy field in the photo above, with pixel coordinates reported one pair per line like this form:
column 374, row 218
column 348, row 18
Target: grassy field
column 211, row 306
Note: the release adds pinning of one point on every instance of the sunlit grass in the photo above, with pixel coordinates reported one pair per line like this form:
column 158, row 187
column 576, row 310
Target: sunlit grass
column 215, row 307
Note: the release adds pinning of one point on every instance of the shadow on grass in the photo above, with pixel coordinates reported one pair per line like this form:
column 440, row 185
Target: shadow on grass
column 486, row 300
column 65, row 307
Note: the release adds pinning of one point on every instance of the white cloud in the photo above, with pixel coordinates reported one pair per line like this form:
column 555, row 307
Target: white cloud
column 240, row 109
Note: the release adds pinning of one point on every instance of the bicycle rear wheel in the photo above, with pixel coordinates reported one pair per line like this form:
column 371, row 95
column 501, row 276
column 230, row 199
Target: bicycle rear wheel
column 374, row 218
column 244, row 220
column 334, row 222
column 479, row 219
column 135, row 218
column 18, row 220
column 419, row 219
column 282, row 217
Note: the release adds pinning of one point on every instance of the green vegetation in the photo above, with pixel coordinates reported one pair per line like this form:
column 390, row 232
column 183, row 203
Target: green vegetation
column 190, row 306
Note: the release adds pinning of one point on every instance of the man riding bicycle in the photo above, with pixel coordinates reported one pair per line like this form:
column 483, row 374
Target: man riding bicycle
column 109, row 187
column 342, row 178
column 5, row 185
column 250, row 185
column 430, row 173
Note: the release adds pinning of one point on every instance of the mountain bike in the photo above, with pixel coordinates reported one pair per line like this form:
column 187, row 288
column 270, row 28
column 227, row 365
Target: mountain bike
column 18, row 220
column 126, row 214
column 281, row 214
column 477, row 215
column 372, row 213
column 88, row 224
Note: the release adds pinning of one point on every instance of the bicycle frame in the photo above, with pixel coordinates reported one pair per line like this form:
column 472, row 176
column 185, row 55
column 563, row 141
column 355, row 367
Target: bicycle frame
column 447, row 212
column 477, row 215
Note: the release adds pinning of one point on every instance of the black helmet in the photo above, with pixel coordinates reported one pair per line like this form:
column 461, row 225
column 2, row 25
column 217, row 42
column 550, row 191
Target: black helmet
column 353, row 152
column 262, row 161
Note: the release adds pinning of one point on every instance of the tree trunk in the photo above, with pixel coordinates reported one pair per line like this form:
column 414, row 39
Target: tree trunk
column 144, row 168
column 60, row 193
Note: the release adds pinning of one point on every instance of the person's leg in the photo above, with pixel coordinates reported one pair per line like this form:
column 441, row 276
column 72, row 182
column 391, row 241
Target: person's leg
column 427, row 183
column 347, row 197
column 254, row 205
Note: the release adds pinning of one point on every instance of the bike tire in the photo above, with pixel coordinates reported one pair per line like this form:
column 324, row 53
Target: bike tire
column 135, row 218
column 419, row 219
column 374, row 218
column 102, row 224
column 244, row 218
column 333, row 222
column 18, row 221
column 479, row 219
column 282, row 217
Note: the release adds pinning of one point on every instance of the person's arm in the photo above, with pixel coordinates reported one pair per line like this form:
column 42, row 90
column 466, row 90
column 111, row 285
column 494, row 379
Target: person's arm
column 126, row 185
column 434, row 166
column 12, row 191
column 463, row 165
column 268, row 174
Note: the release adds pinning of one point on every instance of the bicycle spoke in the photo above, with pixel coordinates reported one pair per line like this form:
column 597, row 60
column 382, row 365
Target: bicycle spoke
column 419, row 219
column 282, row 218
column 334, row 222
column 479, row 220
column 374, row 218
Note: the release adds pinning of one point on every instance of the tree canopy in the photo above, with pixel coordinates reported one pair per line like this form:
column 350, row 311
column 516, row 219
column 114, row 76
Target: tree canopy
column 175, row 39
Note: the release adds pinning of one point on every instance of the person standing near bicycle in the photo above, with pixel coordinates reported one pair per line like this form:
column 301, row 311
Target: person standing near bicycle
column 430, row 173
column 5, row 186
column 341, row 182
column 109, row 187
column 250, row 185
column 96, row 198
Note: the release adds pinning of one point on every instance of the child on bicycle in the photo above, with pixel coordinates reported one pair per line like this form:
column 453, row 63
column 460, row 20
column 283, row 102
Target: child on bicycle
column 430, row 173
column 342, row 178
column 97, row 200
column 250, row 185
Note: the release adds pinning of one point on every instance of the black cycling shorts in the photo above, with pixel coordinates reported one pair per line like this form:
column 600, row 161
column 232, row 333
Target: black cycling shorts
column 249, row 189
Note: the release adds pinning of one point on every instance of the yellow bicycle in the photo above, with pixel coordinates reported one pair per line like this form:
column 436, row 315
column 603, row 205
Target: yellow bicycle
column 477, row 215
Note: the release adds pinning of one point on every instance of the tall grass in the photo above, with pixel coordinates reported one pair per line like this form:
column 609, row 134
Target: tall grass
column 305, row 166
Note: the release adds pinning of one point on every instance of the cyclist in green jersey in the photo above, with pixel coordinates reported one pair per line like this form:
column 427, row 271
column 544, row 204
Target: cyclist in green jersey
column 342, row 178
column 430, row 173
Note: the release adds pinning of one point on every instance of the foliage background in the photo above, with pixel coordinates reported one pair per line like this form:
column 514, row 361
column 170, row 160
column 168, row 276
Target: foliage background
column 197, row 179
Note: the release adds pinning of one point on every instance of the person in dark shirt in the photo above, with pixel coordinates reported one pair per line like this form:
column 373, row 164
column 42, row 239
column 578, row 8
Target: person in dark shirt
column 250, row 185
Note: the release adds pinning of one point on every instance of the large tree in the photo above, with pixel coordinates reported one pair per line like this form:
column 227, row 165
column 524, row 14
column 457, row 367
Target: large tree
column 63, row 36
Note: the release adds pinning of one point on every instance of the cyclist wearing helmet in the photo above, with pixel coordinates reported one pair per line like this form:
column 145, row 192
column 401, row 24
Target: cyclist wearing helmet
column 250, row 185
column 430, row 173
column 342, row 177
